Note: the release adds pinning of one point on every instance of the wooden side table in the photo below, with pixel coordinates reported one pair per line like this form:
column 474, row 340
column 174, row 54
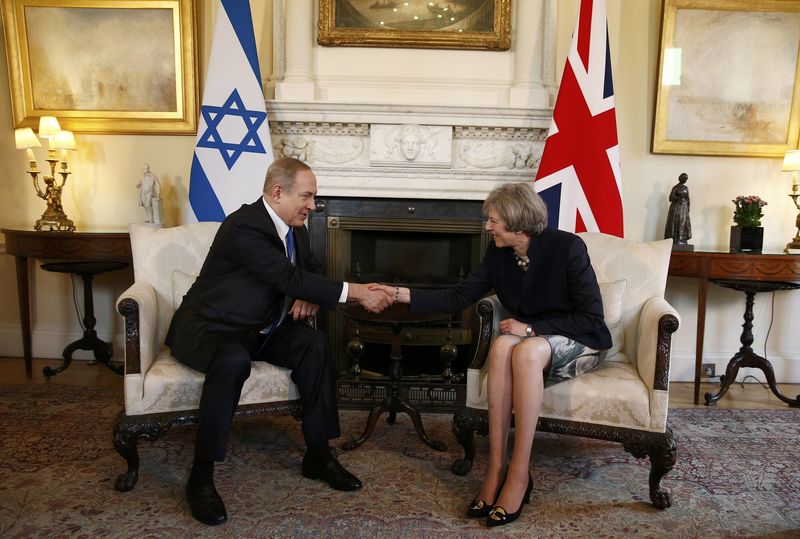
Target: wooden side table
column 745, row 357
column 707, row 265
column 102, row 350
column 84, row 245
column 395, row 317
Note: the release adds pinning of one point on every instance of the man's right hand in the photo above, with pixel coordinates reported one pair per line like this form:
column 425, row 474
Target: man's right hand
column 374, row 300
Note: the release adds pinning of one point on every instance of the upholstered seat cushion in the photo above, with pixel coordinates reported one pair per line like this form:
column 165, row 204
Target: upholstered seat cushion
column 170, row 386
column 612, row 394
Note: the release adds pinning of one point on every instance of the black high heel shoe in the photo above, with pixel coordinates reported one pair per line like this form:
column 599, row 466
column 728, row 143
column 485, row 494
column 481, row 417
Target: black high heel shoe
column 479, row 508
column 498, row 516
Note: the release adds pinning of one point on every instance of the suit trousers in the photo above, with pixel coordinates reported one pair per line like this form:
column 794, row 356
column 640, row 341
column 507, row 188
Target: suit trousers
column 293, row 345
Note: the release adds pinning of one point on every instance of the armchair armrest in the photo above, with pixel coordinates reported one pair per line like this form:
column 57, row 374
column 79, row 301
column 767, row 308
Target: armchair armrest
column 139, row 307
column 490, row 312
column 657, row 322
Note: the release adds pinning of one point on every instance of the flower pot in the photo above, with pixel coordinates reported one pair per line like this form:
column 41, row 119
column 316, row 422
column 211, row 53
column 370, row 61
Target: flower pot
column 748, row 239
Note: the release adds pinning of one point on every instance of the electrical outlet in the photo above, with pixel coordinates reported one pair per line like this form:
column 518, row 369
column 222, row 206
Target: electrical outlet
column 709, row 370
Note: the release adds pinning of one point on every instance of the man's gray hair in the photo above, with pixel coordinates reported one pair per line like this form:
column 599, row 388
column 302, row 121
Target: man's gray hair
column 283, row 172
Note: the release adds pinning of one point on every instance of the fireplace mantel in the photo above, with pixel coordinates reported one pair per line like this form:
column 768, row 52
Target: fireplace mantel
column 410, row 151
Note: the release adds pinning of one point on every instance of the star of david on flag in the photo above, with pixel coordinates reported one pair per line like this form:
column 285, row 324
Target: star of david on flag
column 233, row 148
column 579, row 174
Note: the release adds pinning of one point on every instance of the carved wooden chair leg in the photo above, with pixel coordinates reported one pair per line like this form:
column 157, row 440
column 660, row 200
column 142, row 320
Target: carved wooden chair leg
column 662, row 459
column 661, row 450
column 126, row 443
column 128, row 431
column 466, row 422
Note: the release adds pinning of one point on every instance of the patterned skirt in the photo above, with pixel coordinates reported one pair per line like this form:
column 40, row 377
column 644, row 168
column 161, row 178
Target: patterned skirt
column 569, row 359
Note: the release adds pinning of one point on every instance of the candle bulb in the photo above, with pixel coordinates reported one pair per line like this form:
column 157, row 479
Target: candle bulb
column 64, row 156
column 31, row 157
column 791, row 163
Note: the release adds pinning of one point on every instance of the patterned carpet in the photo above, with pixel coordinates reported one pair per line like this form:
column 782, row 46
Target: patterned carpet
column 737, row 476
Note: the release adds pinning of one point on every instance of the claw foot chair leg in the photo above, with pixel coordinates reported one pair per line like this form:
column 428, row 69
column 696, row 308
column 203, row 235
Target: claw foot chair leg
column 126, row 444
column 128, row 431
column 466, row 422
column 661, row 450
column 662, row 460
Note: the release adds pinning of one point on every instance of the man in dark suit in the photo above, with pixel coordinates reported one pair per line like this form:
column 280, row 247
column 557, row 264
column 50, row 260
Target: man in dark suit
column 257, row 284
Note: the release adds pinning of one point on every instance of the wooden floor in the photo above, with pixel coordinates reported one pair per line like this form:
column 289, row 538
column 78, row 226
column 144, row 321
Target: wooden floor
column 82, row 373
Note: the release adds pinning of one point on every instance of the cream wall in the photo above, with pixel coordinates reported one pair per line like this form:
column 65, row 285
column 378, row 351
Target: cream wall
column 106, row 169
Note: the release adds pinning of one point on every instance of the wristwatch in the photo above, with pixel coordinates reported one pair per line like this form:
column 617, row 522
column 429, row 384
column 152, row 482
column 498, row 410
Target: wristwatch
column 529, row 330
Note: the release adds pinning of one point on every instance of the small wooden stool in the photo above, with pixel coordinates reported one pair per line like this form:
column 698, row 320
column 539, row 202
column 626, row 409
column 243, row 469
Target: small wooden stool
column 89, row 341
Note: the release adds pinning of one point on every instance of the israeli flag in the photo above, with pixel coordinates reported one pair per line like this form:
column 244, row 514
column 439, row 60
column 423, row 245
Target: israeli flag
column 233, row 149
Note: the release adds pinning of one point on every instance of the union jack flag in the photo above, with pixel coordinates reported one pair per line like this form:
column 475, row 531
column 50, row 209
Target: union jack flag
column 579, row 176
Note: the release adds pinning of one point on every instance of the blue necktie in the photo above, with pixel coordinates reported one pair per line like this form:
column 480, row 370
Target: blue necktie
column 269, row 329
column 290, row 245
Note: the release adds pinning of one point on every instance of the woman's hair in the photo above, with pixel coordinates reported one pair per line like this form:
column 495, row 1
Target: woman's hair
column 522, row 209
column 283, row 172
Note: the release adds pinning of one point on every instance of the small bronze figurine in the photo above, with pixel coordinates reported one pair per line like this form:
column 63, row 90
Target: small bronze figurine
column 679, row 225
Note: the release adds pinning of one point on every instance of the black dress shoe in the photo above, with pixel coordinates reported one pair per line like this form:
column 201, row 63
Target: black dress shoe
column 331, row 472
column 205, row 503
column 500, row 517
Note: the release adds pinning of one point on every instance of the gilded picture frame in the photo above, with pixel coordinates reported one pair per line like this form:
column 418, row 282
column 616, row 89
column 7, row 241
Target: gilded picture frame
column 460, row 24
column 103, row 66
column 728, row 78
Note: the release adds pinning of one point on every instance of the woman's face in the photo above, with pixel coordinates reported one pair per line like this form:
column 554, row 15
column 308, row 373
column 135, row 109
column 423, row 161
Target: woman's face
column 496, row 226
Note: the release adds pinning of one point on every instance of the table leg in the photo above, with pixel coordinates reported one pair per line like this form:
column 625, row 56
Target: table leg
column 397, row 403
column 745, row 357
column 415, row 417
column 25, row 312
column 702, row 293
column 374, row 414
column 394, row 403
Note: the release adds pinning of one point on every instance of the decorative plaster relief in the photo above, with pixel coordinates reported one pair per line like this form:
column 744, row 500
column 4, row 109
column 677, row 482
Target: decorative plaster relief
column 322, row 143
column 499, row 148
column 411, row 145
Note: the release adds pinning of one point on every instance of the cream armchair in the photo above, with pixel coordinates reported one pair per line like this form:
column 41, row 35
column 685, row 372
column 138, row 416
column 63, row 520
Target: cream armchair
column 625, row 399
column 160, row 391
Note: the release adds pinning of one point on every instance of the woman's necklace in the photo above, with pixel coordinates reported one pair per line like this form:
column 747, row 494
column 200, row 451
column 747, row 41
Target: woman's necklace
column 522, row 261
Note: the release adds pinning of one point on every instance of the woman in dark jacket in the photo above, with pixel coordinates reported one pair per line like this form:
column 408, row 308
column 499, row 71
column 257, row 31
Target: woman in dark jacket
column 555, row 331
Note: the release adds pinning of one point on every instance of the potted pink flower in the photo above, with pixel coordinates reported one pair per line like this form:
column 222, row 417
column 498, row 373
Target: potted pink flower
column 748, row 234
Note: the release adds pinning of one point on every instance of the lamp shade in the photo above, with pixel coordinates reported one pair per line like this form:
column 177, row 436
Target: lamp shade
column 25, row 138
column 62, row 140
column 791, row 161
column 48, row 126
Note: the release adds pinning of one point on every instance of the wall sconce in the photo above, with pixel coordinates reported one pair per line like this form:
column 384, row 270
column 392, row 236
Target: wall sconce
column 53, row 217
column 791, row 163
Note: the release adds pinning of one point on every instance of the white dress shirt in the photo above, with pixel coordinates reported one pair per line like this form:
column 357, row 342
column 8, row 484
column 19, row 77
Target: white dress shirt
column 283, row 229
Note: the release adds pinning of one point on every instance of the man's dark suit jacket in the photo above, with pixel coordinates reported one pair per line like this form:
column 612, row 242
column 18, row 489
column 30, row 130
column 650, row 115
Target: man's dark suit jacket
column 242, row 286
column 557, row 295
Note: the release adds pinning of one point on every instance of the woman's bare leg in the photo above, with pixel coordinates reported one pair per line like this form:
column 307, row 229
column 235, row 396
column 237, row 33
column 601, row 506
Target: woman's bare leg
column 529, row 360
column 500, row 399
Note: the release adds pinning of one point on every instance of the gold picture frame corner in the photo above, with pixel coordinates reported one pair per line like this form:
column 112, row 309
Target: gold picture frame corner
column 182, row 119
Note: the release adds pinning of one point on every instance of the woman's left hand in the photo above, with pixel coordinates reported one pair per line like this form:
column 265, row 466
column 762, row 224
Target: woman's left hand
column 510, row 326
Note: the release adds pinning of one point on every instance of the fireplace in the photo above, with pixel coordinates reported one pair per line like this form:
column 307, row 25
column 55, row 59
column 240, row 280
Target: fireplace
column 409, row 242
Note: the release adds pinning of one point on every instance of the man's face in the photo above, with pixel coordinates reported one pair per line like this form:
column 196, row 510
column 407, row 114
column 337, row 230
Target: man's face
column 294, row 206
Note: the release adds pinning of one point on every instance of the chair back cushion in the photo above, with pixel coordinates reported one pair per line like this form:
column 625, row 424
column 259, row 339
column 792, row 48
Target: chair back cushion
column 642, row 265
column 159, row 253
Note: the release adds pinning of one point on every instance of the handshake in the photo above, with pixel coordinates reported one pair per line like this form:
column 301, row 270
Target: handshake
column 375, row 297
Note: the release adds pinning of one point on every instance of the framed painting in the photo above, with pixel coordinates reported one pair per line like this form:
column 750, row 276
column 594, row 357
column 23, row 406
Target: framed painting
column 103, row 66
column 448, row 24
column 728, row 78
